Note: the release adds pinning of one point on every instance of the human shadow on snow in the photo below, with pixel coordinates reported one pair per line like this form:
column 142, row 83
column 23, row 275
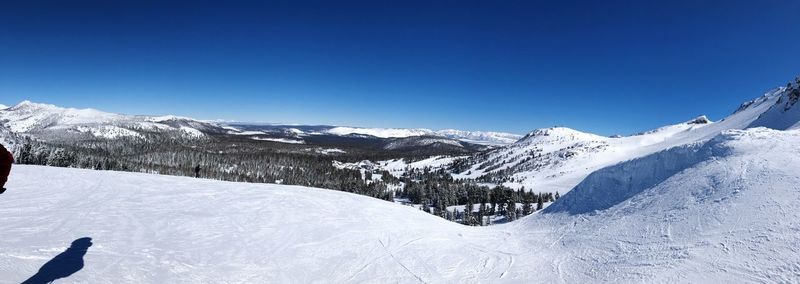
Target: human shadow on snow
column 64, row 264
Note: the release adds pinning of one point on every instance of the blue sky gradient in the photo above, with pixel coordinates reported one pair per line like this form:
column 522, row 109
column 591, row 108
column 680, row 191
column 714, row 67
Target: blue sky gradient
column 610, row 67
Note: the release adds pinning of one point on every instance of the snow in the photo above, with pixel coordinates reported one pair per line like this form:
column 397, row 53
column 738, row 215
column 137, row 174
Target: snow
column 165, row 118
column 725, row 210
column 782, row 114
column 248, row 133
column 296, row 131
column 279, row 140
column 27, row 116
column 2, row 106
column 480, row 137
column 477, row 137
column 722, row 210
column 399, row 166
column 363, row 165
column 330, row 151
column 109, row 131
column 379, row 132
column 191, row 132
column 152, row 126
column 160, row 229
column 30, row 117
column 419, row 142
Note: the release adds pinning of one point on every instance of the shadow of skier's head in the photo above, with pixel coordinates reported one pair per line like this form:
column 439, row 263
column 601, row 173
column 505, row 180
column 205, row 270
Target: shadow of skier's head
column 64, row 264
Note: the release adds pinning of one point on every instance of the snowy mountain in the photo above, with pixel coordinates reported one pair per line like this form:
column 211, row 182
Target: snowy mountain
column 557, row 159
column 52, row 122
column 724, row 210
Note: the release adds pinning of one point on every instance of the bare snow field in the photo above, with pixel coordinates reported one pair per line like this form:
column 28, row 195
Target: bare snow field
column 725, row 210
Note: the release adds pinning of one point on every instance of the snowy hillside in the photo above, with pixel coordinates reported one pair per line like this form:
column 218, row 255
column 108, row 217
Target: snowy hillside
column 557, row 159
column 783, row 114
column 727, row 209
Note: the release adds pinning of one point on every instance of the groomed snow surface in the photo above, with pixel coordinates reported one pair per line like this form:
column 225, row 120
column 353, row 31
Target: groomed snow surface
column 723, row 210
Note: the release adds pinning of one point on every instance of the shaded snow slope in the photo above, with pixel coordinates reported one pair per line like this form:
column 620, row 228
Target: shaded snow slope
column 724, row 210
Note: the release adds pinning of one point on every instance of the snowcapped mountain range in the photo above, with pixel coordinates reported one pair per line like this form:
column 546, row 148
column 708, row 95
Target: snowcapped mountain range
column 50, row 121
column 479, row 137
column 35, row 118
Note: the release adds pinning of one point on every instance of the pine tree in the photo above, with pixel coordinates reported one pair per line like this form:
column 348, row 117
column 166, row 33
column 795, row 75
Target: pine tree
column 511, row 210
column 468, row 219
column 527, row 206
column 540, row 202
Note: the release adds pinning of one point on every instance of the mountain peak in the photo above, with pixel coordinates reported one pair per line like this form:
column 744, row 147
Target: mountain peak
column 699, row 120
column 783, row 114
column 26, row 104
column 554, row 131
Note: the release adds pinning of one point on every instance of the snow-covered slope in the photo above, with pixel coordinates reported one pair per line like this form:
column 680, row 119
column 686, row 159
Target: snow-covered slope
column 783, row 114
column 556, row 159
column 161, row 229
column 724, row 210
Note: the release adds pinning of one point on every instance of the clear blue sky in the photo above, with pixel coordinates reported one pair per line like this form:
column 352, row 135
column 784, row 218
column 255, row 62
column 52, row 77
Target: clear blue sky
column 603, row 66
